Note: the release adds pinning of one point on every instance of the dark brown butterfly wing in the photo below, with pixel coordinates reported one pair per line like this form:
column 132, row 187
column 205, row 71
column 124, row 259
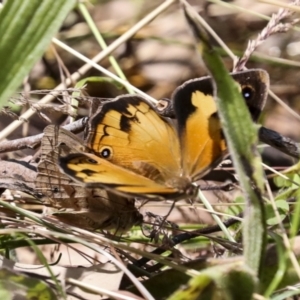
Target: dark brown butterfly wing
column 57, row 189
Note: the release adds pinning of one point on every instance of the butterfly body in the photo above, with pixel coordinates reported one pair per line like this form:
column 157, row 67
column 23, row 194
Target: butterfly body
column 138, row 152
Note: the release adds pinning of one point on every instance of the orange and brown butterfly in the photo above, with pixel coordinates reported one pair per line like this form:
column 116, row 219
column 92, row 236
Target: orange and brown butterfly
column 137, row 152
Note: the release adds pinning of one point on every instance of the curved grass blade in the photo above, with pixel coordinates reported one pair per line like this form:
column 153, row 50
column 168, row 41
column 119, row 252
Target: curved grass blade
column 26, row 29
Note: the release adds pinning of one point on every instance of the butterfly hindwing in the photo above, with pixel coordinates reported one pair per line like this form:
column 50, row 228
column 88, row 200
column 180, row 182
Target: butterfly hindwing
column 56, row 188
column 199, row 129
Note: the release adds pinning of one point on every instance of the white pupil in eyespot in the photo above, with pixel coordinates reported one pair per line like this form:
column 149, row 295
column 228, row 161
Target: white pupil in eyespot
column 247, row 93
column 105, row 153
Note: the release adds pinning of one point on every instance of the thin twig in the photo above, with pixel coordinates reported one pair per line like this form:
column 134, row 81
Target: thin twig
column 280, row 142
column 34, row 141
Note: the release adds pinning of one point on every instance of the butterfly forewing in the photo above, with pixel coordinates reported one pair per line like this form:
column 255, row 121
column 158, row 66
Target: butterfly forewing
column 137, row 138
column 254, row 88
column 96, row 171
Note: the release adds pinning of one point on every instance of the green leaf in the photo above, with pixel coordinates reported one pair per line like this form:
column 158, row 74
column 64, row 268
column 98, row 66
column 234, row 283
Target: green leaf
column 292, row 181
column 227, row 282
column 283, row 209
column 236, row 207
column 279, row 271
column 26, row 29
column 14, row 284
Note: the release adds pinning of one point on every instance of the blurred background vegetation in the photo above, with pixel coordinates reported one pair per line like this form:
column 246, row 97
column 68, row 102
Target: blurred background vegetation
column 157, row 59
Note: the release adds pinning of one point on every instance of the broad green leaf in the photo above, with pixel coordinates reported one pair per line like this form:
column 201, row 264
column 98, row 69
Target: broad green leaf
column 292, row 173
column 26, row 29
column 237, row 206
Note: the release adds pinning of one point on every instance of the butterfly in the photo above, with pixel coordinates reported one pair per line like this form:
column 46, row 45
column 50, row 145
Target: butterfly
column 137, row 152
column 92, row 208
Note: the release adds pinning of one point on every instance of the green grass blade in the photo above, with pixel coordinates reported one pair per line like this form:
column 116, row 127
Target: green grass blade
column 241, row 136
column 26, row 29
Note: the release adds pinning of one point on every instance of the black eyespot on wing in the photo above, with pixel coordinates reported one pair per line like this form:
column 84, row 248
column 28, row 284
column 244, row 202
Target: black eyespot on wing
column 55, row 190
column 106, row 152
column 258, row 81
column 248, row 93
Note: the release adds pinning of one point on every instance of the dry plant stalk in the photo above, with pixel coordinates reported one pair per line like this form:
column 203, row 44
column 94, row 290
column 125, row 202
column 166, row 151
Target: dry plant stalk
column 274, row 26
